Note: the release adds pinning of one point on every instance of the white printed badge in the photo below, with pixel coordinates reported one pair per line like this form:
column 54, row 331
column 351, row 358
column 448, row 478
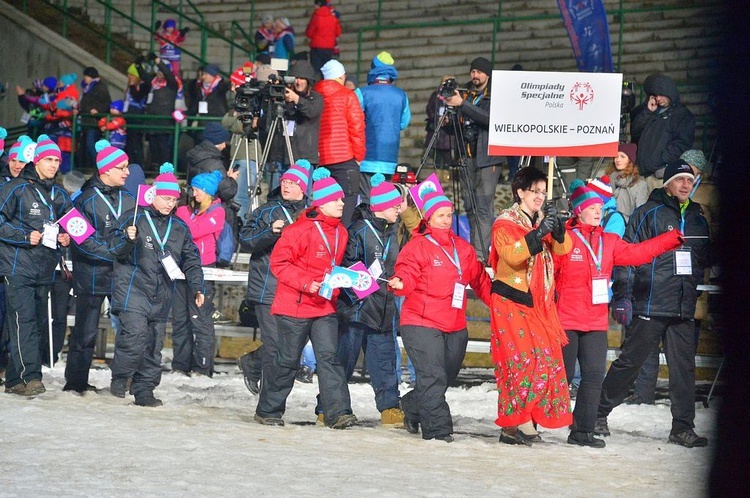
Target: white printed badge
column 170, row 265
column 459, row 291
column 599, row 290
column 202, row 107
column 376, row 269
column 49, row 237
column 683, row 263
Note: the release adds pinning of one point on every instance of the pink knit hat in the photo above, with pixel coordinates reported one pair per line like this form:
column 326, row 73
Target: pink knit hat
column 108, row 157
column 383, row 194
column 299, row 173
column 582, row 197
column 433, row 200
column 45, row 147
column 325, row 188
column 166, row 183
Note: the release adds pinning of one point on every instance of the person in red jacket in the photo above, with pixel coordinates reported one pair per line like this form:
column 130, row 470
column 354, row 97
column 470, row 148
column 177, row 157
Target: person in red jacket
column 341, row 140
column 432, row 272
column 322, row 30
column 307, row 250
column 192, row 326
column 582, row 279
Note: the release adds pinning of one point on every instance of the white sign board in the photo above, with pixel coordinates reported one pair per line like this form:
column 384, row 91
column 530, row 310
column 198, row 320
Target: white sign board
column 535, row 113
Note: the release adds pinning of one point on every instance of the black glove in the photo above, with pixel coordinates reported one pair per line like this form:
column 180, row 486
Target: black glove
column 157, row 25
column 151, row 57
column 139, row 60
column 559, row 231
column 550, row 219
column 184, row 31
column 622, row 310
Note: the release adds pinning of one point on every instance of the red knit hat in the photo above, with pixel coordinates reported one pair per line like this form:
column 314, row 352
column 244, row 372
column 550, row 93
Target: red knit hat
column 602, row 187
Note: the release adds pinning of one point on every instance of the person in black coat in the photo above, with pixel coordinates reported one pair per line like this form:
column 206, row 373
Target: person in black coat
column 104, row 202
column 150, row 251
column 368, row 323
column 160, row 102
column 656, row 302
column 29, row 251
column 259, row 235
column 94, row 100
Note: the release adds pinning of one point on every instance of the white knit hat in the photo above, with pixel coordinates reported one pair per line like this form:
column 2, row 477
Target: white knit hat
column 332, row 69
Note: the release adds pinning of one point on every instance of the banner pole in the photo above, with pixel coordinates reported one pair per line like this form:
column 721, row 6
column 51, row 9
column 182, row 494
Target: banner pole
column 550, row 177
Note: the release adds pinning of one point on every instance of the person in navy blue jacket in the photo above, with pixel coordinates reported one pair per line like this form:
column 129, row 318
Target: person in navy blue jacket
column 30, row 239
column 151, row 251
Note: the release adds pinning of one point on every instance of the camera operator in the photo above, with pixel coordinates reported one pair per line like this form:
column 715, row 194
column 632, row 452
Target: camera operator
column 483, row 171
column 303, row 109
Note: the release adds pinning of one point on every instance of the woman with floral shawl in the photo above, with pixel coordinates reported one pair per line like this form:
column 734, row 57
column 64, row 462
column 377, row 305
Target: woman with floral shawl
column 526, row 335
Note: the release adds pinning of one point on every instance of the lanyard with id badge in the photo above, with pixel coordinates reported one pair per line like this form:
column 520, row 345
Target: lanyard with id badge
column 376, row 268
column 683, row 263
column 459, row 288
column 51, row 228
column 326, row 291
column 165, row 257
column 599, row 282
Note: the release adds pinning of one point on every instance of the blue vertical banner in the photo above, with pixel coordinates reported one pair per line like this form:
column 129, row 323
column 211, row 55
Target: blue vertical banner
column 588, row 29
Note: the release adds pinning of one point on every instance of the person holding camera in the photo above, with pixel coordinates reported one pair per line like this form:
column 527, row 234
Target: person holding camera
column 304, row 106
column 103, row 202
column 482, row 171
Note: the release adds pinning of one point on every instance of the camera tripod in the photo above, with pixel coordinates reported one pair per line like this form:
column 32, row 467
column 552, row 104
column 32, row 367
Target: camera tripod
column 461, row 167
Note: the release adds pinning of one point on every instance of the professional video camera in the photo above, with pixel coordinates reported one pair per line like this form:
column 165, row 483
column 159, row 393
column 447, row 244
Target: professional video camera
column 248, row 99
column 447, row 88
column 277, row 85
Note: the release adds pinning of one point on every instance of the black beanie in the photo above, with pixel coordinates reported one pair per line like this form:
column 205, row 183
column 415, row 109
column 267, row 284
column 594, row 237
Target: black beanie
column 91, row 72
column 482, row 64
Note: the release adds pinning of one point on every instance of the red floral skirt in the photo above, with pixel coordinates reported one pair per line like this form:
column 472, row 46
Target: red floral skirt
column 529, row 369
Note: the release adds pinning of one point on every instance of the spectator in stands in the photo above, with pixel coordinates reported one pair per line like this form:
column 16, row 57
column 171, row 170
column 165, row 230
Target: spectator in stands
column 29, row 243
column 164, row 88
column 211, row 97
column 629, row 189
column 483, row 170
column 341, row 144
column 582, row 278
column 303, row 312
column 662, row 127
column 387, row 112
column 114, row 125
column 31, row 100
column 369, row 323
column 60, row 115
column 443, row 146
column 432, row 272
column 526, row 336
column 284, row 44
column 150, row 250
column 666, row 314
column 95, row 100
column 170, row 40
column 136, row 96
column 265, row 36
column 323, row 31
column 259, row 235
column 104, row 203
column 192, row 326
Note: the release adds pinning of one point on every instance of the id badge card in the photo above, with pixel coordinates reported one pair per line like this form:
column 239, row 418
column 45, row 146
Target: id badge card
column 25, row 118
column 170, row 265
column 49, row 236
column 291, row 125
column 202, row 107
column 326, row 291
column 150, row 98
column 600, row 290
column 459, row 291
column 683, row 263
column 376, row 269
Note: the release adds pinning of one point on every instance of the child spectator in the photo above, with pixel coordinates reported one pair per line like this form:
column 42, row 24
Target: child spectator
column 170, row 40
column 114, row 125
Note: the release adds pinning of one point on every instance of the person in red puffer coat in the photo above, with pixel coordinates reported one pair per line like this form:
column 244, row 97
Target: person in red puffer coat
column 323, row 30
column 432, row 271
column 582, row 279
column 307, row 250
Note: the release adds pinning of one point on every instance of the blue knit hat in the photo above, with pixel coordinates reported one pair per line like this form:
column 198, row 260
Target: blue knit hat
column 208, row 182
column 215, row 133
column 68, row 79
column 50, row 82
column 299, row 173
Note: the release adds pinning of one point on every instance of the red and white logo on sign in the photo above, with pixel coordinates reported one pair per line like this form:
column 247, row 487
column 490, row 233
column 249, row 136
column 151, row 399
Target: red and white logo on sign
column 581, row 94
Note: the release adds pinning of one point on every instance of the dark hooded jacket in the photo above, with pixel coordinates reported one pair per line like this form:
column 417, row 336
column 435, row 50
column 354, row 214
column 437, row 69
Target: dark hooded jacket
column 370, row 239
column 27, row 204
column 92, row 260
column 306, row 115
column 655, row 289
column 662, row 135
column 258, row 237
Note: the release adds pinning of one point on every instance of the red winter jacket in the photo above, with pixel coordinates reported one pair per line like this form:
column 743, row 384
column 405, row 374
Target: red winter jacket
column 204, row 228
column 301, row 257
column 323, row 28
column 575, row 270
column 429, row 279
column 342, row 124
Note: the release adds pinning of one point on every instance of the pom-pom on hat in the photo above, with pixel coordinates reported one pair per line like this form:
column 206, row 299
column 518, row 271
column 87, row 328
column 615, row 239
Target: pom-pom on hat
column 695, row 157
column 332, row 69
column 3, row 135
column 433, row 200
column 166, row 183
column 602, row 187
column 45, row 147
column 208, row 182
column 107, row 156
column 383, row 194
column 325, row 188
column 629, row 149
column 298, row 173
column 582, row 197
column 677, row 169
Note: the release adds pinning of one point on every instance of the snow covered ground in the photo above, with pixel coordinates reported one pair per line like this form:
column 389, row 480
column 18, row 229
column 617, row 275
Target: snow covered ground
column 203, row 441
